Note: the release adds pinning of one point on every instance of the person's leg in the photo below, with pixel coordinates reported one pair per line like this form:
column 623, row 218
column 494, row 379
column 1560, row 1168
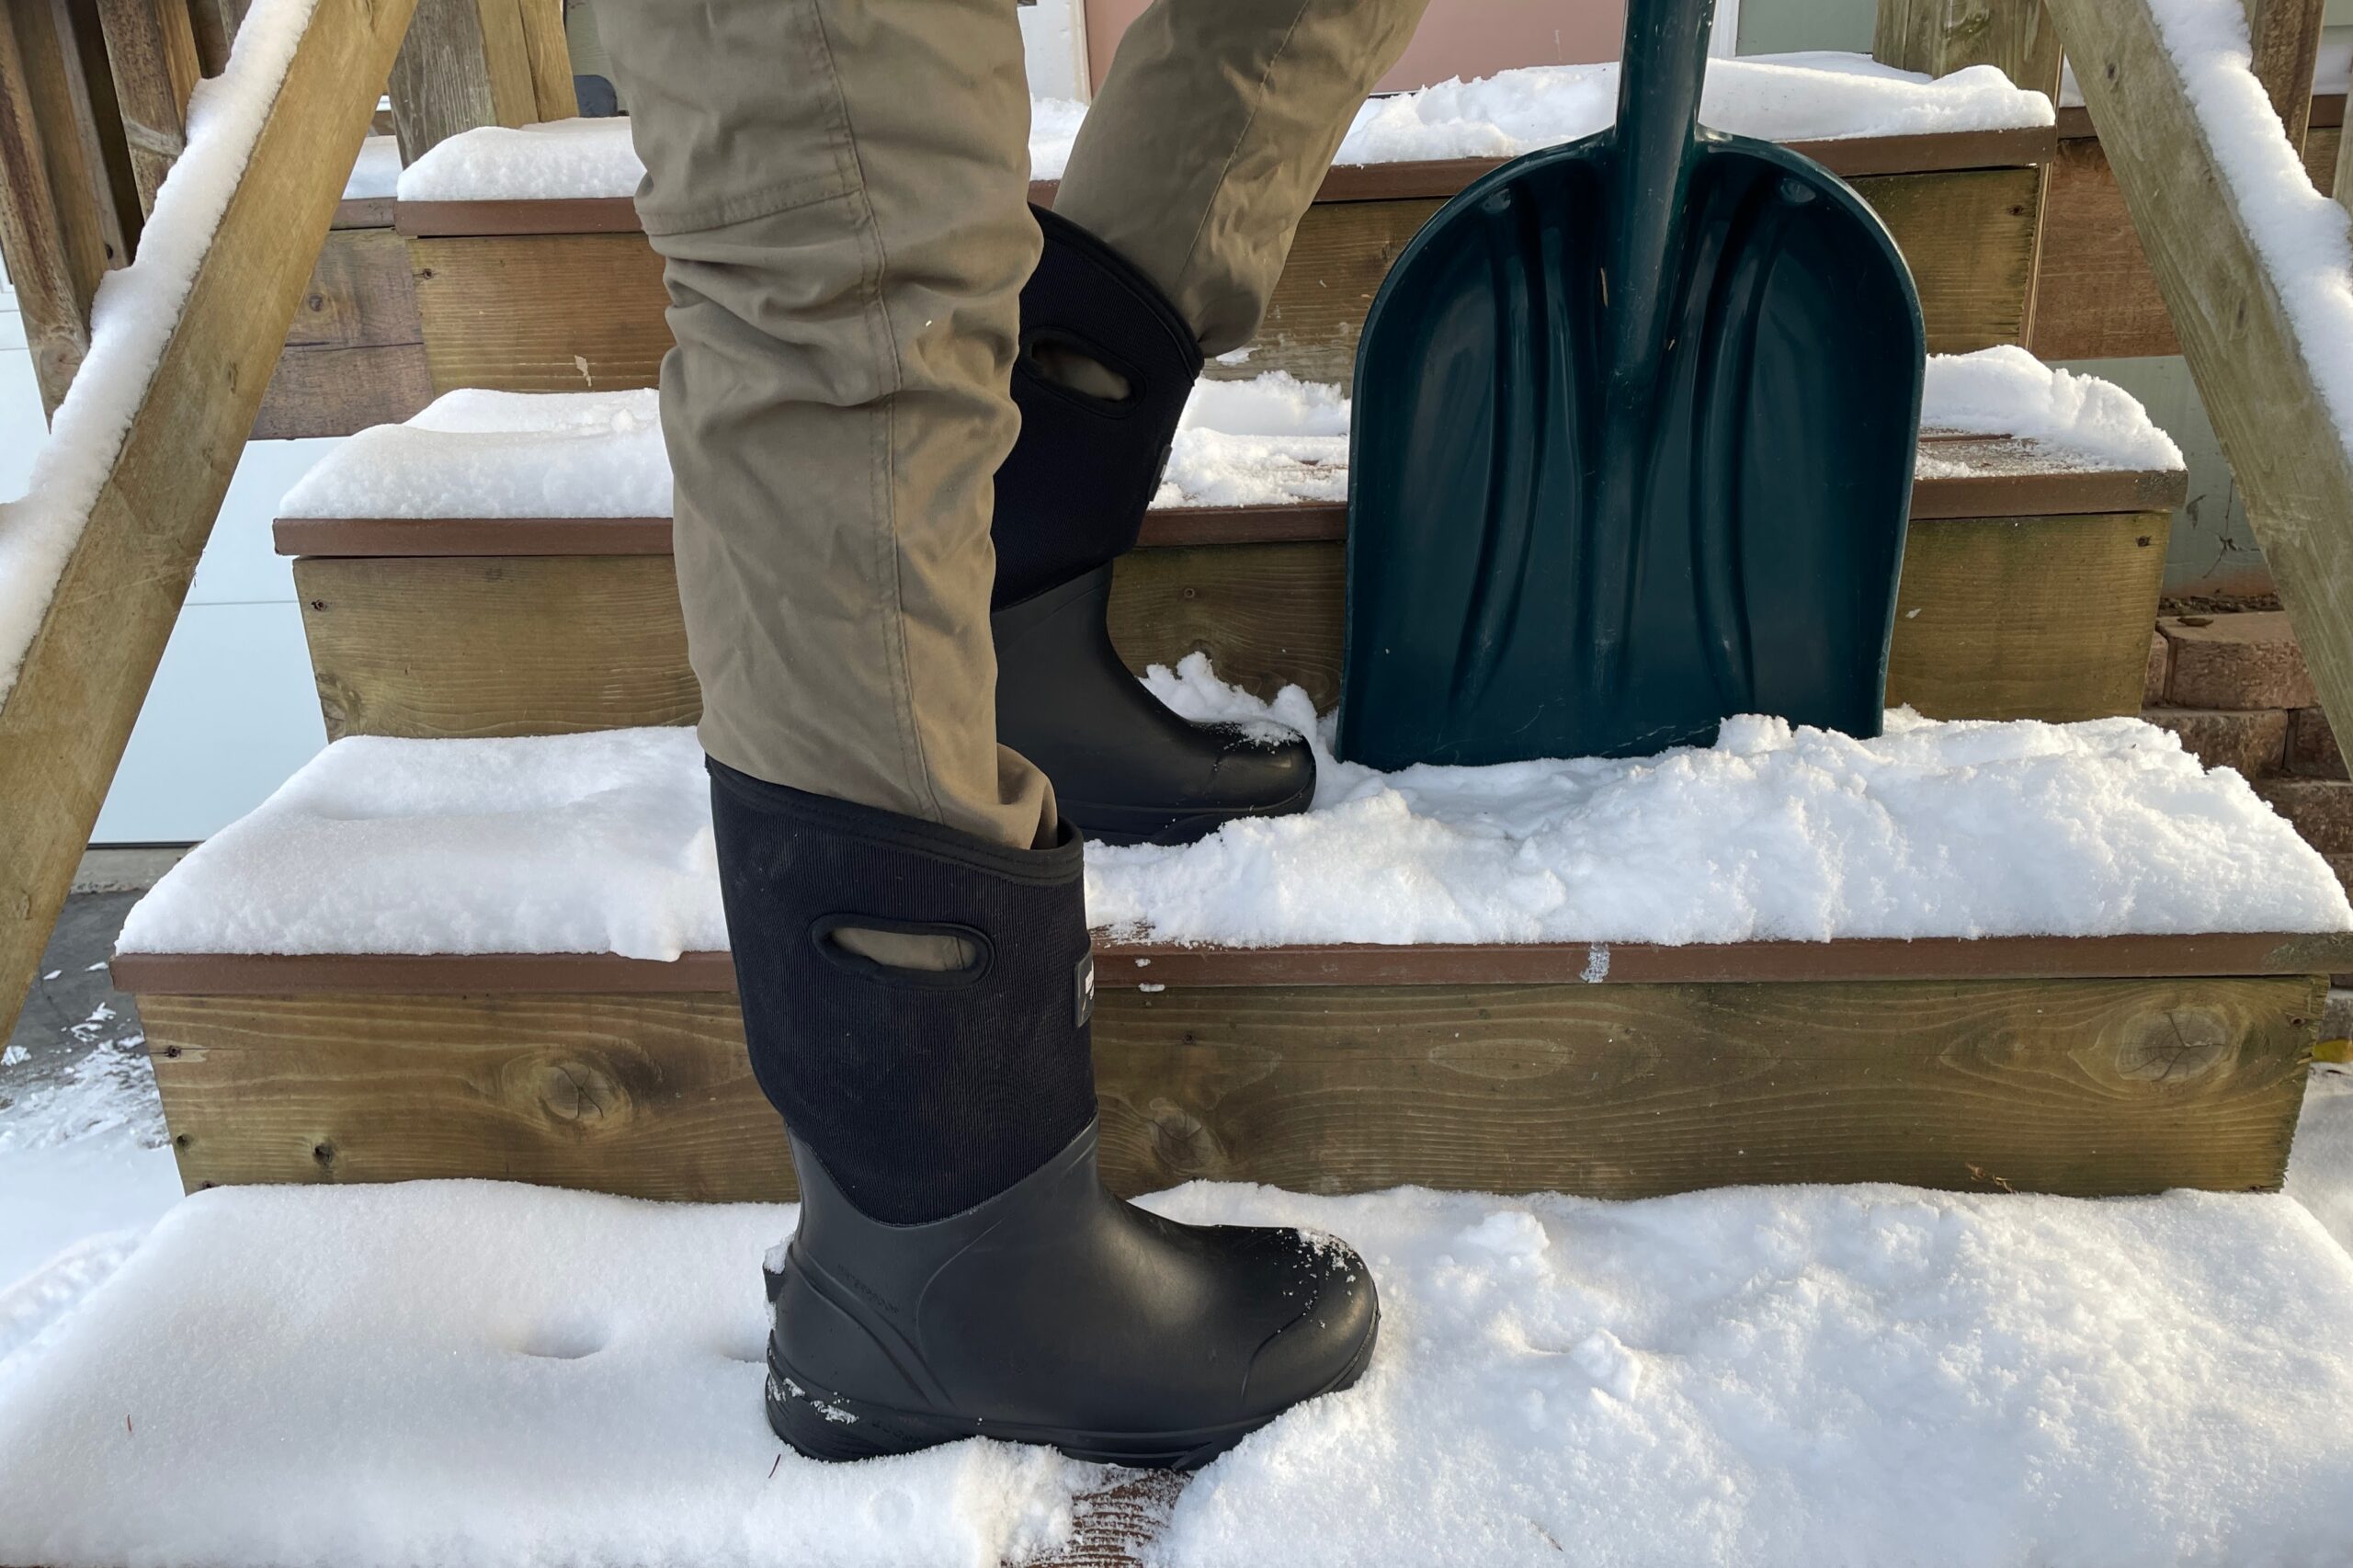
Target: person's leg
column 838, row 193
column 1189, row 177
column 1210, row 135
column 836, row 187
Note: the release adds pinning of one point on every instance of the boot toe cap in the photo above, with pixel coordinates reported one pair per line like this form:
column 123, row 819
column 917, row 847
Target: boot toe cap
column 1325, row 1348
column 1254, row 774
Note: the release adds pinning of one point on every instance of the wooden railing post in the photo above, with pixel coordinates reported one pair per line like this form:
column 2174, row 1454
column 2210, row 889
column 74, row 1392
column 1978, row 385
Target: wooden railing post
column 2285, row 35
column 1939, row 37
column 214, row 24
column 151, row 44
column 101, row 630
column 2251, row 361
column 59, row 227
column 472, row 62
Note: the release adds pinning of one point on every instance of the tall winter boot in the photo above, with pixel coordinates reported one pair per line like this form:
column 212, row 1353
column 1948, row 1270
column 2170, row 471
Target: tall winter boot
column 1070, row 500
column 958, row 1269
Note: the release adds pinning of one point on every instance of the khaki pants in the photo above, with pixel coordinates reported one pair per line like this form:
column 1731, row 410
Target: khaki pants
column 839, row 190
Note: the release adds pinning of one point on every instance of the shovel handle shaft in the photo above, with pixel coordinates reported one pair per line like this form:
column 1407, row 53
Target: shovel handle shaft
column 1665, row 64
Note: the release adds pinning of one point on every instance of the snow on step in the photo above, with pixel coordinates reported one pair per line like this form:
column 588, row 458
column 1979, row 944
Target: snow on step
column 1268, row 440
column 475, row 1375
column 1818, row 96
column 601, row 843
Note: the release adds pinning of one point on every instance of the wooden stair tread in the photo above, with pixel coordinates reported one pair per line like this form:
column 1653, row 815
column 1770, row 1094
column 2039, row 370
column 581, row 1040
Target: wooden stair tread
column 1120, row 964
column 1851, row 157
column 2008, row 477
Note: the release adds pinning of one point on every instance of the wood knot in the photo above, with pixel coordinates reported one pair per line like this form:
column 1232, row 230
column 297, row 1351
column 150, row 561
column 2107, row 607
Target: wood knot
column 2179, row 1045
column 575, row 1092
column 1181, row 1142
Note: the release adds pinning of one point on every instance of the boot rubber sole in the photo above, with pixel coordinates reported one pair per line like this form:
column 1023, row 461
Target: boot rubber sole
column 1130, row 825
column 822, row 1424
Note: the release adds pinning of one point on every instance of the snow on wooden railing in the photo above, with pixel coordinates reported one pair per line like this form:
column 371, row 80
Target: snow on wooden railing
column 96, row 558
column 2256, row 270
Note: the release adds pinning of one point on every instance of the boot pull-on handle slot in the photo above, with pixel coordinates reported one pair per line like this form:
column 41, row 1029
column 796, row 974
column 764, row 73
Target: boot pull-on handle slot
column 828, row 933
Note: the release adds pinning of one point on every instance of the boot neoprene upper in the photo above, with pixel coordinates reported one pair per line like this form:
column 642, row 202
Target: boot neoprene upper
column 959, row 1269
column 1071, row 498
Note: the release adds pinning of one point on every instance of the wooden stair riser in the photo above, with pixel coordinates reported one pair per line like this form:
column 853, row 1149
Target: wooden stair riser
column 2041, row 618
column 2089, row 1087
column 583, row 312
column 2094, row 296
column 355, row 354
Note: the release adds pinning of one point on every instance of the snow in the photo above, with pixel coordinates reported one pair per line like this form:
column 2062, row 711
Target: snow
column 2332, row 69
column 1267, row 440
column 84, row 1169
column 1816, row 97
column 2008, row 391
column 2302, row 237
column 601, row 843
column 471, row 1375
column 131, row 319
column 498, row 454
column 1788, row 98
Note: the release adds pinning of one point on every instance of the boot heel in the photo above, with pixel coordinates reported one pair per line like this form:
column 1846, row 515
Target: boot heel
column 820, row 1425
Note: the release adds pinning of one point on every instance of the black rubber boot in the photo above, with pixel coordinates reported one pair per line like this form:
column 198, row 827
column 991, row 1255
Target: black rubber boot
column 958, row 1269
column 1070, row 500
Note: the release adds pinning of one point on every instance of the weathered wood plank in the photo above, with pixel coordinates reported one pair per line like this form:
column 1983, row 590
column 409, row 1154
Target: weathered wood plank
column 2042, row 617
column 426, row 647
column 1297, row 964
column 215, row 24
column 2089, row 1087
column 1939, row 37
column 150, row 45
column 58, row 227
column 355, row 354
column 541, row 312
column 2252, row 366
column 63, row 725
column 2094, row 296
column 474, row 62
column 2017, row 618
column 2285, row 35
column 571, row 312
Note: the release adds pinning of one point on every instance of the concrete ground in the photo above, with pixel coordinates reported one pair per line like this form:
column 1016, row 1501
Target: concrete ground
column 73, row 1008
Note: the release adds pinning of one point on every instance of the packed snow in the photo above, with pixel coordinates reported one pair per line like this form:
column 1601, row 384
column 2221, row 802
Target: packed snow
column 473, row 1375
column 131, row 319
column 2302, row 237
column 2005, row 391
column 601, row 843
column 1265, row 440
column 1786, row 97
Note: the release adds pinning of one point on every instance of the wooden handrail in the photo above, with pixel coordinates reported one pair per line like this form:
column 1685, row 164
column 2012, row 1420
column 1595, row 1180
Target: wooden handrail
column 2248, row 354
column 64, row 722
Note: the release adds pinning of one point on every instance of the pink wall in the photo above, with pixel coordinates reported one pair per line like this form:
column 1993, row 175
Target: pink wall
column 1458, row 38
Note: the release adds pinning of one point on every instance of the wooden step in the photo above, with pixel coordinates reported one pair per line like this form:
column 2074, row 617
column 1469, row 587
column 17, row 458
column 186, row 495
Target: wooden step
column 2090, row 1066
column 566, row 295
column 355, row 352
column 2094, row 296
column 2029, row 584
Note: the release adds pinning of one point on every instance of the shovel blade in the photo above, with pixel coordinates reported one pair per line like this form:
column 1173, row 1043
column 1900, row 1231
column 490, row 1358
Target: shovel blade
column 1556, row 549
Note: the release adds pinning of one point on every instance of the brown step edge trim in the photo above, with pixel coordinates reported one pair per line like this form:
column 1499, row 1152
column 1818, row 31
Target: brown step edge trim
column 2076, row 123
column 1851, row 157
column 1119, row 964
column 2075, row 493
column 363, row 213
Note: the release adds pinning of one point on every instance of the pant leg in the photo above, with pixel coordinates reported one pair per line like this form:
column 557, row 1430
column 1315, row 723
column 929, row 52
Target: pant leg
column 838, row 189
column 1212, row 132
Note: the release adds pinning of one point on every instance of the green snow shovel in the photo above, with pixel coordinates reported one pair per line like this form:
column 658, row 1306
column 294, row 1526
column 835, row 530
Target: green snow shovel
column 1632, row 445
